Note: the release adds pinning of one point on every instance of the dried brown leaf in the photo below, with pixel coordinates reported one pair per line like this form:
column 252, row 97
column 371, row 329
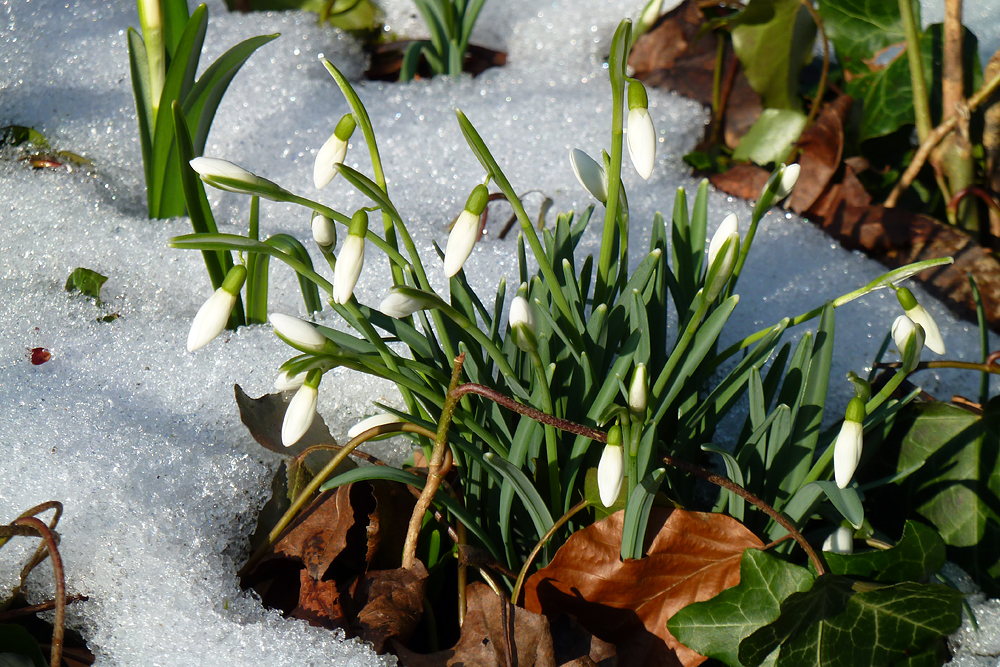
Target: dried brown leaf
column 821, row 148
column 263, row 416
column 319, row 534
column 692, row 556
column 744, row 180
column 320, row 603
column 486, row 637
column 390, row 603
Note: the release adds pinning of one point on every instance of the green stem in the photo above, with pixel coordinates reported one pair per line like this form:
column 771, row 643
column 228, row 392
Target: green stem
column 551, row 446
column 689, row 331
column 560, row 522
column 921, row 106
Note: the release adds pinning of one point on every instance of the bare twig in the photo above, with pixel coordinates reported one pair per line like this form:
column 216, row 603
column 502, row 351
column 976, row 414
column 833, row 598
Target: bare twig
column 48, row 605
column 732, row 487
column 989, row 367
column 59, row 624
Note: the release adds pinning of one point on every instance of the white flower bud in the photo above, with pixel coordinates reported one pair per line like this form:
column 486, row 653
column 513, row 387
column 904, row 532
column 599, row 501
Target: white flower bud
column 590, row 174
column 300, row 335
column 348, row 268
column 638, row 392
column 902, row 330
column 641, row 141
column 919, row 315
column 840, row 541
column 301, row 410
column 225, row 175
column 721, row 264
column 333, row 152
column 522, row 324
column 399, row 304
column 610, row 474
column 789, row 175
column 324, row 231
column 213, row 315
column 371, row 422
column 465, row 233
column 847, row 448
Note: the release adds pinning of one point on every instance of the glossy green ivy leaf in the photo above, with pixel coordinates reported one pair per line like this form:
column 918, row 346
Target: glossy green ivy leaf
column 878, row 627
column 773, row 52
column 87, row 282
column 958, row 488
column 918, row 554
column 861, row 28
column 714, row 627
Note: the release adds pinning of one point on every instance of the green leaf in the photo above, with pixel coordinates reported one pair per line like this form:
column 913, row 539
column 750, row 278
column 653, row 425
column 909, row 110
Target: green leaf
column 771, row 137
column 772, row 53
column 640, row 501
column 525, row 490
column 878, row 627
column 847, row 501
column 958, row 488
column 87, row 282
column 918, row 554
column 861, row 28
column 715, row 627
column 15, row 135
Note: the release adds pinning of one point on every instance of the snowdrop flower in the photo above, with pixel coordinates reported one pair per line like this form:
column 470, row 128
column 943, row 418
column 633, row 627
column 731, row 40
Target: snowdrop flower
column 649, row 16
column 902, row 330
column 789, row 176
column 919, row 315
column 847, row 448
column 610, row 472
column 638, row 391
column 287, row 382
column 213, row 316
column 466, row 231
column 300, row 335
column 522, row 324
column 641, row 135
column 225, row 175
column 301, row 409
column 371, row 422
column 402, row 303
column 722, row 254
column 590, row 174
column 840, row 541
column 351, row 258
column 324, row 231
column 333, row 152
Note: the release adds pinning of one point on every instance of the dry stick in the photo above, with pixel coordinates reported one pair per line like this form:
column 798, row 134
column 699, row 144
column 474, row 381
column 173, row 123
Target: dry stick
column 753, row 500
column 934, row 138
column 319, row 479
column 35, row 608
column 989, row 367
column 433, row 468
column 541, row 543
column 528, row 411
column 58, row 629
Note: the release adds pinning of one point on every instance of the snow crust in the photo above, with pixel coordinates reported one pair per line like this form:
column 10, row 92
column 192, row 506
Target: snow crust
column 142, row 441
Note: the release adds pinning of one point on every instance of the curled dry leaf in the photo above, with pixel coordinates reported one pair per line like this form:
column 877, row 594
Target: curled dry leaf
column 390, row 602
column 692, row 556
column 495, row 634
column 263, row 416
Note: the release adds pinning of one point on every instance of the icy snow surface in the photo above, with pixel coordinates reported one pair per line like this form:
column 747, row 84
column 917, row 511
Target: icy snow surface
column 140, row 440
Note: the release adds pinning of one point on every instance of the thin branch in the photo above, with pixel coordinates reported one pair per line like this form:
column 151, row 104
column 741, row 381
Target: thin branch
column 753, row 500
column 59, row 624
column 48, row 605
column 934, row 138
column 989, row 367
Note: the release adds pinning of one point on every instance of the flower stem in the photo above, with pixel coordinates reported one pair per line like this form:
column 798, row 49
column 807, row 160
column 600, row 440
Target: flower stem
column 560, row 522
column 38, row 528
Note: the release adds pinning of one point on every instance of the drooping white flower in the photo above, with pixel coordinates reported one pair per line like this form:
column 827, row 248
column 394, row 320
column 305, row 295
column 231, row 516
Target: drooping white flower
column 610, row 474
column 902, row 330
column 641, row 135
column 649, row 16
column 323, row 230
column 213, row 315
column 723, row 252
column 464, row 234
column 300, row 335
column 522, row 324
column 333, row 152
column 638, row 391
column 840, row 541
column 590, row 174
column 789, row 176
column 225, row 175
column 286, row 382
column 848, row 446
column 919, row 315
column 399, row 304
column 301, row 409
column 371, row 422
column 351, row 258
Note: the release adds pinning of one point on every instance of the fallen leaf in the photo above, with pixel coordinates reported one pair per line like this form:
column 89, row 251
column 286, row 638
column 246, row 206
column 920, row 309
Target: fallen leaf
column 691, row 557
column 263, row 417
column 492, row 627
column 319, row 533
column 821, row 148
column 744, row 180
column 390, row 602
column 320, row 603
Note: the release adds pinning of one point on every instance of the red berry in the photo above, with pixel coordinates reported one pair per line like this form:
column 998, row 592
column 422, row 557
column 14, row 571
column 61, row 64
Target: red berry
column 39, row 355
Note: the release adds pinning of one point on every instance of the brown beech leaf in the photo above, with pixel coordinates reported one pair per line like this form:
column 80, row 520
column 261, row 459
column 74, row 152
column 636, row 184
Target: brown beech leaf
column 821, row 148
column 388, row 523
column 320, row 603
column 390, row 603
column 691, row 557
column 743, row 180
column 319, row 534
column 575, row 647
column 495, row 634
column 263, row 416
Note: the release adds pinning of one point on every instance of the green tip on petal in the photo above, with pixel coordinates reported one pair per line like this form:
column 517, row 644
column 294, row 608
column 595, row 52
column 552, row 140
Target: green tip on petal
column 359, row 223
column 906, row 298
column 478, row 199
column 855, row 410
column 345, row 128
column 637, row 98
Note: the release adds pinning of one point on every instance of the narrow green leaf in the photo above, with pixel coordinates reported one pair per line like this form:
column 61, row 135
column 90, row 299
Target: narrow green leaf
column 525, row 490
column 637, row 514
column 292, row 247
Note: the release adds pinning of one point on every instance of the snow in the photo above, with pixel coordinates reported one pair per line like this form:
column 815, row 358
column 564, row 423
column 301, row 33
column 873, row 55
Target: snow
column 141, row 440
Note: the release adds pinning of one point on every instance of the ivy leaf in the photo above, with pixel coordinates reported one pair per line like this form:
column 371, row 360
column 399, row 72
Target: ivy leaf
column 879, row 627
column 714, row 627
column 861, row 28
column 918, row 554
column 958, row 488
column 87, row 282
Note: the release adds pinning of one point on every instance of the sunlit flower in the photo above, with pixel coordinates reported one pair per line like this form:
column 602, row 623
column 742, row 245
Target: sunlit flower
column 371, row 422
column 522, row 324
column 641, row 135
column 400, row 304
column 324, row 231
column 649, row 16
column 333, row 152
column 840, row 541
column 847, row 448
column 466, row 231
column 351, row 258
column 638, row 392
column 590, row 174
column 300, row 335
column 722, row 254
column 213, row 316
column 610, row 474
column 789, row 176
column 919, row 315
column 225, row 175
column 301, row 409
column 902, row 330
